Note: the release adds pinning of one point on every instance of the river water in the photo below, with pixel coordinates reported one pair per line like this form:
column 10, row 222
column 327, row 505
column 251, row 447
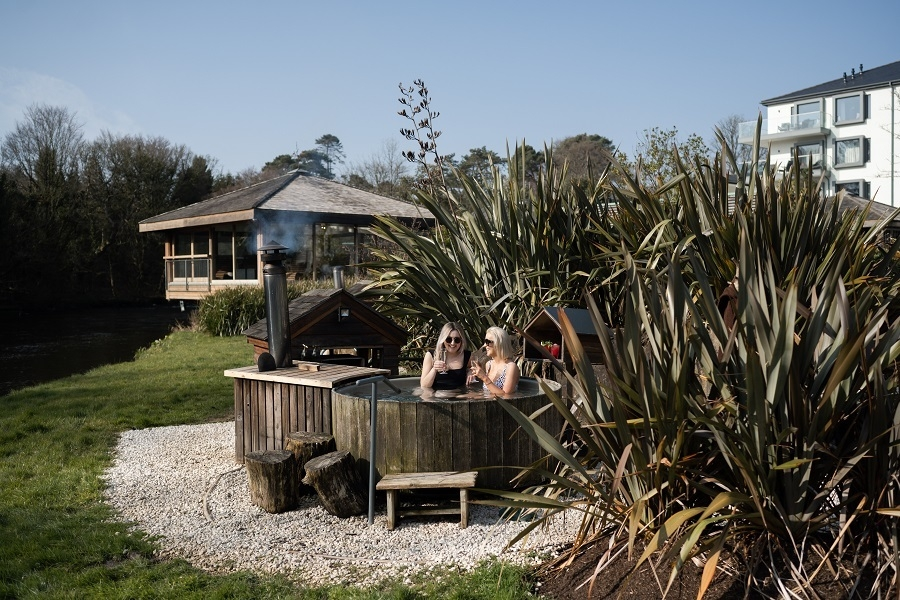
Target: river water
column 43, row 346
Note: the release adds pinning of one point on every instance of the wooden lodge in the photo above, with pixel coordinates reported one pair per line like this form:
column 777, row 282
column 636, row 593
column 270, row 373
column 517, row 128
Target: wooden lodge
column 212, row 244
column 334, row 326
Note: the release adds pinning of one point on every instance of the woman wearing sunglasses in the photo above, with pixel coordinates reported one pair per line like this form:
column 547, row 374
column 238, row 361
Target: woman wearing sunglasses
column 501, row 373
column 446, row 368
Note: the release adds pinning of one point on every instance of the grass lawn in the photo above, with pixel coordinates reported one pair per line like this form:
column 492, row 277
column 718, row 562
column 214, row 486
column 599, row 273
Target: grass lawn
column 59, row 540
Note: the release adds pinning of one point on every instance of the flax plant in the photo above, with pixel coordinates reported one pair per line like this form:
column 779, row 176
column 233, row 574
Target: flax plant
column 501, row 254
column 775, row 440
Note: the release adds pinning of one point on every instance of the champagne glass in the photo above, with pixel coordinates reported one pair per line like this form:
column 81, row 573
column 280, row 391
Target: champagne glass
column 444, row 358
column 479, row 357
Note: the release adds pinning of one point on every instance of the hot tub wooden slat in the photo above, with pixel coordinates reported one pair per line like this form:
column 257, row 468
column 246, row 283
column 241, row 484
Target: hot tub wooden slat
column 478, row 437
column 496, row 435
column 239, row 417
column 408, row 457
column 259, row 417
column 442, row 446
column 389, row 447
column 462, row 446
column 277, row 415
column 424, row 433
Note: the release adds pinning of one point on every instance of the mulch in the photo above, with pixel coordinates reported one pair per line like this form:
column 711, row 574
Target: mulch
column 572, row 583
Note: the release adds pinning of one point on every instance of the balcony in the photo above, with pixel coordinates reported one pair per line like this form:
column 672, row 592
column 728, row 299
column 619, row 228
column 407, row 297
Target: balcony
column 800, row 126
column 781, row 164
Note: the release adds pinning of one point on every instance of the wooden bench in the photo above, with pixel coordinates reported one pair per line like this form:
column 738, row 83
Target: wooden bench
column 395, row 482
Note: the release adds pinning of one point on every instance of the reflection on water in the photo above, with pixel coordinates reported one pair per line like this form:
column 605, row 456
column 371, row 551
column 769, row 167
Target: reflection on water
column 44, row 346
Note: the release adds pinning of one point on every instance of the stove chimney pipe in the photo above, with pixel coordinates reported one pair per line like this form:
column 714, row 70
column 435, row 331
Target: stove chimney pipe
column 278, row 322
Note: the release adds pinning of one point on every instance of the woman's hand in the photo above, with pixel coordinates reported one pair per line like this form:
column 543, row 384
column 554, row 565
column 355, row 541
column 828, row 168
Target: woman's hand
column 440, row 366
column 478, row 373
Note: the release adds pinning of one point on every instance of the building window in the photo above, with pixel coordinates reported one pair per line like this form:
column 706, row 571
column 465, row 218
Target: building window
column 810, row 155
column 857, row 188
column 849, row 109
column 849, row 152
column 806, row 115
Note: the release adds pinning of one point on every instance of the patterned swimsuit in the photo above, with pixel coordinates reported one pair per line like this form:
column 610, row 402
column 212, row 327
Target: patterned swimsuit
column 500, row 380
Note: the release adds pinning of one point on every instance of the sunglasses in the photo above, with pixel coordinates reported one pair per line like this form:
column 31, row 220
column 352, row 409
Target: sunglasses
column 488, row 342
column 453, row 340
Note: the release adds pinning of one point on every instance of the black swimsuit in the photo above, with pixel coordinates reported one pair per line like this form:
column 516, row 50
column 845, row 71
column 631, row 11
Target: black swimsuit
column 453, row 378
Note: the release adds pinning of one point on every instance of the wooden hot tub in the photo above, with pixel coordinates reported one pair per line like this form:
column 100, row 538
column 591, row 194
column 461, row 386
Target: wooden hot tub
column 441, row 431
column 444, row 431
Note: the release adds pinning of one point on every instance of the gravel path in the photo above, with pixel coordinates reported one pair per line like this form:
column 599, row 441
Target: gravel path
column 182, row 484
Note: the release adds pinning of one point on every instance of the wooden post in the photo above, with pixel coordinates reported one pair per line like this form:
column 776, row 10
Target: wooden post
column 338, row 483
column 273, row 480
column 307, row 445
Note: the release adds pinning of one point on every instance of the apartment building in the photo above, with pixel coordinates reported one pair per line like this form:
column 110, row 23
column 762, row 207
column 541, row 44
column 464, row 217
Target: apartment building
column 847, row 129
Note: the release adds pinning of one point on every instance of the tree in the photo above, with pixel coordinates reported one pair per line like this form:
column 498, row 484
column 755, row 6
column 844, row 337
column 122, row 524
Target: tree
column 313, row 162
column 332, row 151
column 128, row 179
column 729, row 129
column 194, row 181
column 280, row 165
column 43, row 157
column 656, row 161
column 384, row 172
column 479, row 162
column 587, row 155
column 44, row 153
column 527, row 162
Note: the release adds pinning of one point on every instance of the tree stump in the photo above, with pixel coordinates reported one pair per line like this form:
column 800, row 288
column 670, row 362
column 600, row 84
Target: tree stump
column 307, row 445
column 273, row 480
column 336, row 480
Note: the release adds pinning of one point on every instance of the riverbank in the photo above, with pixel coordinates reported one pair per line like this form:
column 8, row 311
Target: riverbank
column 44, row 344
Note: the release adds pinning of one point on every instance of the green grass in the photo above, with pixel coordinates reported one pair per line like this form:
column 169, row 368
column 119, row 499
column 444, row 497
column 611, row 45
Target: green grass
column 58, row 538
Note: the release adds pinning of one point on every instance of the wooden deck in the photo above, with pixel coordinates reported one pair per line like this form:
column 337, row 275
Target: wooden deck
column 270, row 405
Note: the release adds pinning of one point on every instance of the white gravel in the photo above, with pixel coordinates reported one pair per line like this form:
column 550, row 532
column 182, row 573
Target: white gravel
column 183, row 485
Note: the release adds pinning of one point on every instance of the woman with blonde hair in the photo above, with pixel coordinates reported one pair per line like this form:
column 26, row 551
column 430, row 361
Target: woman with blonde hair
column 501, row 373
column 446, row 368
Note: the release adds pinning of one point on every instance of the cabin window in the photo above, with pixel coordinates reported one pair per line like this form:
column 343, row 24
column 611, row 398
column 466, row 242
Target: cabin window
column 335, row 246
column 299, row 262
column 191, row 258
column 244, row 255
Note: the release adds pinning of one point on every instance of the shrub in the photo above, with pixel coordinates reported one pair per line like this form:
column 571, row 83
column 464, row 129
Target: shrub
column 231, row 310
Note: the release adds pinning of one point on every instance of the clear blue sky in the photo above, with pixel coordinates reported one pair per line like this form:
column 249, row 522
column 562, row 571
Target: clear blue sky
column 244, row 82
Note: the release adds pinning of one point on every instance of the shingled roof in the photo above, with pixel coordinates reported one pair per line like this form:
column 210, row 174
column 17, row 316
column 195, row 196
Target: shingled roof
column 865, row 79
column 296, row 192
